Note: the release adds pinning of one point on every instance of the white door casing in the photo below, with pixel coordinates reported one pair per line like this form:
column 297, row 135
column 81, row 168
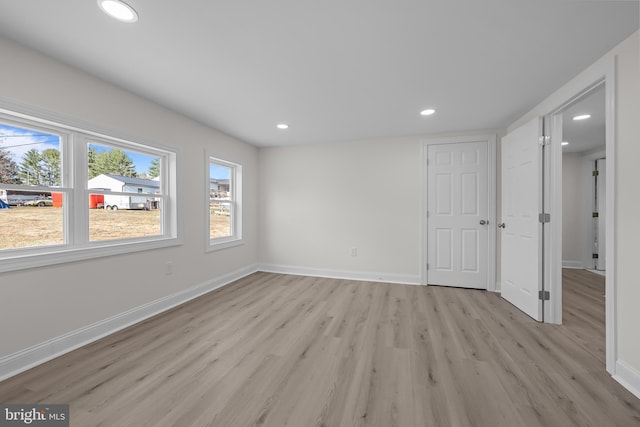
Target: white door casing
column 602, row 209
column 601, row 72
column 520, row 228
column 458, row 214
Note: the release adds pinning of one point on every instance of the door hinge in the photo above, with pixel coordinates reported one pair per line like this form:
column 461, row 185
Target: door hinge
column 595, row 215
column 595, row 173
column 544, row 217
column 544, row 295
column 427, row 266
column 594, row 256
column 544, row 140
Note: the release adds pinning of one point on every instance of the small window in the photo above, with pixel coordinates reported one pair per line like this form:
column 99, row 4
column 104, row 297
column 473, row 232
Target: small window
column 223, row 194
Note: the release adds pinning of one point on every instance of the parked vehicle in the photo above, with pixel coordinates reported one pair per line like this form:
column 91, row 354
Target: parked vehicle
column 115, row 202
column 39, row 202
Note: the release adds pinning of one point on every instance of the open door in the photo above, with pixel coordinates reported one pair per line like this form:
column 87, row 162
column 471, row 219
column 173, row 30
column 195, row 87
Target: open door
column 521, row 232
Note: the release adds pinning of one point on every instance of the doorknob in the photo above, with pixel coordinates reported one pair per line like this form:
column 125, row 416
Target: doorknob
column 502, row 225
column 483, row 222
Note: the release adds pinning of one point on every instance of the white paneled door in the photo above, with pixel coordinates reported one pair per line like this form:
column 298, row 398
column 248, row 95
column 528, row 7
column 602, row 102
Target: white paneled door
column 520, row 227
column 457, row 214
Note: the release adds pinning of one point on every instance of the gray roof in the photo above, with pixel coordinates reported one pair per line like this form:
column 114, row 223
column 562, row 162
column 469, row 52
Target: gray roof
column 135, row 181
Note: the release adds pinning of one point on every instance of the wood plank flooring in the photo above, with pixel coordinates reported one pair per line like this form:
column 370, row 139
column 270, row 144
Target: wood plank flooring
column 279, row 350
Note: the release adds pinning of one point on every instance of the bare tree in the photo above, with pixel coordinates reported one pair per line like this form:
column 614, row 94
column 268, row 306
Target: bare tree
column 8, row 168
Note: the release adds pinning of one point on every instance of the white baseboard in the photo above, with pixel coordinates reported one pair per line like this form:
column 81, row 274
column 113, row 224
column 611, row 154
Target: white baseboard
column 341, row 274
column 24, row 359
column 628, row 377
column 572, row 264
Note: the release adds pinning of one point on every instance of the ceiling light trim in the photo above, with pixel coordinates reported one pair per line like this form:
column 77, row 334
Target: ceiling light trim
column 118, row 10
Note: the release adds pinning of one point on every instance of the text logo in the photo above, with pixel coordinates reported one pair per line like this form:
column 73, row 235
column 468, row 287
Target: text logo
column 34, row 415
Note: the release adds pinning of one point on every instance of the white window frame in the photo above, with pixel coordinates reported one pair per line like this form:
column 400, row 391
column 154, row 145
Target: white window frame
column 235, row 204
column 73, row 150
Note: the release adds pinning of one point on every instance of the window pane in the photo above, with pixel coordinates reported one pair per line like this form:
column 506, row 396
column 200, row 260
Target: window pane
column 220, row 181
column 220, row 200
column 114, row 216
column 123, row 171
column 107, row 221
column 29, row 157
column 30, row 219
column 219, row 219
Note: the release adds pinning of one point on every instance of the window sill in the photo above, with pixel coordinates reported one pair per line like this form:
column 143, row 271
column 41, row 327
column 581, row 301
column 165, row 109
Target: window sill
column 220, row 244
column 57, row 255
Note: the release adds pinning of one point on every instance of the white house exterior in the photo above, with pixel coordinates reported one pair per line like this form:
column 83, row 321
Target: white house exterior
column 219, row 188
column 125, row 184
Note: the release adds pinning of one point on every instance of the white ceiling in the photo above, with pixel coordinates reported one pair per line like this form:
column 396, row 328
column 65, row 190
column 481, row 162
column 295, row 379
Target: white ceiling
column 334, row 69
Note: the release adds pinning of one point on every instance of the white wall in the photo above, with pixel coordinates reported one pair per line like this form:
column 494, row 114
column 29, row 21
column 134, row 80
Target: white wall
column 43, row 303
column 317, row 202
column 627, row 177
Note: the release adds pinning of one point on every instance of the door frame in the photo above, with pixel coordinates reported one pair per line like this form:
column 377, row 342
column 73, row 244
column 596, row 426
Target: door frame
column 603, row 72
column 490, row 139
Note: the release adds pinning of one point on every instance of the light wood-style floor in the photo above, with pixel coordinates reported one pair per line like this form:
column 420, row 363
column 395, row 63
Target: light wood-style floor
column 279, row 350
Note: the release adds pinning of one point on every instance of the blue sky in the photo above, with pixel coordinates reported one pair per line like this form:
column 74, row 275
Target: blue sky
column 18, row 141
column 219, row 172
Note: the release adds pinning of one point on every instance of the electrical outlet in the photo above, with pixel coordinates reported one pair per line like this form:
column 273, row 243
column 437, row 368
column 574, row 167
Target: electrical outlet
column 168, row 268
column 354, row 251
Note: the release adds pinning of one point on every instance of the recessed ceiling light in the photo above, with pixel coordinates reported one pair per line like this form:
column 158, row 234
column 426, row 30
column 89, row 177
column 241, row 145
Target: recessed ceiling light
column 282, row 126
column 564, row 143
column 118, row 10
column 427, row 112
column 582, row 117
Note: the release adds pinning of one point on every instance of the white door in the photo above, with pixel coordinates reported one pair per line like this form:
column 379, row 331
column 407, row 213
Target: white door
column 457, row 214
column 520, row 227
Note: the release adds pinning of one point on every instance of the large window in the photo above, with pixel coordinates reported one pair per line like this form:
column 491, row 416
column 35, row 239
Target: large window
column 224, row 201
column 69, row 193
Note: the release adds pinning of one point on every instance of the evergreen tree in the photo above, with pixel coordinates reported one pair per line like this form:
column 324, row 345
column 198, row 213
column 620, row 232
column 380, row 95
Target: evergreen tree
column 51, row 167
column 91, row 162
column 154, row 168
column 31, row 171
column 114, row 162
column 8, row 168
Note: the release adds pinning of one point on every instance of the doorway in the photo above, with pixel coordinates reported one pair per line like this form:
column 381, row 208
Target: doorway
column 583, row 217
column 597, row 200
column 584, row 183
